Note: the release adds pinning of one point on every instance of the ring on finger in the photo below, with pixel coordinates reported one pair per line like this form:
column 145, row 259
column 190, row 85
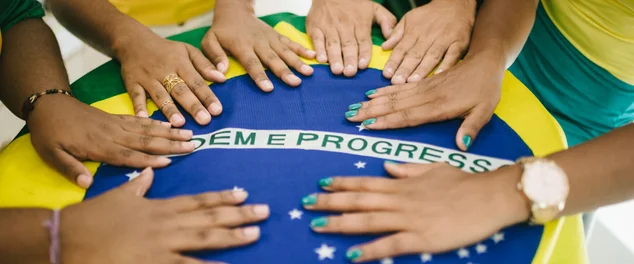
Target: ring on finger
column 165, row 104
column 170, row 81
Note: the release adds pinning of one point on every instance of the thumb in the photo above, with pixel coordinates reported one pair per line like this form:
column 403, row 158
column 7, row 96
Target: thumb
column 470, row 128
column 385, row 19
column 395, row 37
column 139, row 185
column 409, row 170
column 72, row 168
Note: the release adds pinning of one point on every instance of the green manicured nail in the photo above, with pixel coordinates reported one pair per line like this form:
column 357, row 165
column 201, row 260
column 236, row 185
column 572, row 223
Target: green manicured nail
column 467, row 141
column 319, row 222
column 352, row 113
column 371, row 92
column 325, row 182
column 369, row 121
column 309, row 199
column 390, row 162
column 354, row 106
column 353, row 254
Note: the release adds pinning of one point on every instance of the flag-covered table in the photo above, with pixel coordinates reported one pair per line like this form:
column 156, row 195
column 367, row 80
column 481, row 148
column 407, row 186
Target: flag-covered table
column 278, row 145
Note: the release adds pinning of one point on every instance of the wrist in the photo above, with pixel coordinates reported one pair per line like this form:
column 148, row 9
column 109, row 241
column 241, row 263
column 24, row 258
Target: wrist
column 510, row 202
column 132, row 40
column 47, row 104
column 490, row 59
column 232, row 6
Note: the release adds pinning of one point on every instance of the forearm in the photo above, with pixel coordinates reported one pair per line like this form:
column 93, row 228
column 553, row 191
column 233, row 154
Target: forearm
column 30, row 63
column 101, row 25
column 501, row 29
column 23, row 236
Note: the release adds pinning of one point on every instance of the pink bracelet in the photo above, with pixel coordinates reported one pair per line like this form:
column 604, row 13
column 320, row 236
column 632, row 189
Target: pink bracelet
column 53, row 228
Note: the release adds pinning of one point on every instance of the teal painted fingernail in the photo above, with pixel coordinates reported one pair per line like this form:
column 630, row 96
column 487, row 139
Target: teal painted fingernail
column 325, row 182
column 319, row 222
column 354, row 106
column 371, row 92
column 353, row 254
column 369, row 121
column 467, row 141
column 390, row 162
column 309, row 200
column 352, row 113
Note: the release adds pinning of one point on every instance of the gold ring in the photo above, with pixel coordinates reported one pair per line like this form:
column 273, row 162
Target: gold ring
column 165, row 103
column 171, row 81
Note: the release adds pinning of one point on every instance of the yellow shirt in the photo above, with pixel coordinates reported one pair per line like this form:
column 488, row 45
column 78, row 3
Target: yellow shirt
column 602, row 30
column 163, row 12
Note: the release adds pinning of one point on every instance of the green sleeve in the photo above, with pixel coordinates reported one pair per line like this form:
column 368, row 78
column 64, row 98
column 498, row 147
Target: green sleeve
column 14, row 11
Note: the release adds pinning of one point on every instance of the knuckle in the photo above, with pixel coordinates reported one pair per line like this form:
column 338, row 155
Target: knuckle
column 252, row 63
column 392, row 102
column 204, row 234
column 195, row 107
column 227, row 197
column 199, row 201
column 146, row 128
column 271, row 56
column 332, row 43
column 145, row 141
column 125, row 153
column 414, row 55
column 198, row 85
column 180, row 90
column 434, row 54
column 348, row 44
column 405, row 116
column 211, row 217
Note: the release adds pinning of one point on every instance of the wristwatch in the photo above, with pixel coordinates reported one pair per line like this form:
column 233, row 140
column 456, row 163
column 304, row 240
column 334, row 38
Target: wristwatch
column 545, row 185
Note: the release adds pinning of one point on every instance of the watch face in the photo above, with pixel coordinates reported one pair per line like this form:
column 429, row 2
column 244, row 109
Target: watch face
column 545, row 183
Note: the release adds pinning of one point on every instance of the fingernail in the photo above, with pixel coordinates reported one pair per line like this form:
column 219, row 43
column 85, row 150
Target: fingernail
column 203, row 116
column 311, row 53
column 466, row 140
column 322, row 58
column 349, row 68
column 306, row 69
column 438, row 71
column 222, row 67
column 188, row 145
column 186, row 133
column 146, row 170
column 166, row 124
column 389, row 31
column 261, row 210
column 319, row 222
column 218, row 75
column 390, row 162
column 309, row 200
column 325, row 182
column 251, row 232
column 363, row 61
column 84, row 181
column 371, row 92
column 414, row 78
column 292, row 79
column 353, row 254
column 389, row 70
column 164, row 160
column 369, row 121
column 239, row 195
column 142, row 113
column 337, row 67
column 397, row 78
column 266, row 85
column 215, row 108
column 355, row 106
column 176, row 119
column 352, row 113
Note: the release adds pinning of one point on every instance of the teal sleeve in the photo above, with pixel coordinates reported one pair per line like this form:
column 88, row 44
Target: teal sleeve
column 14, row 11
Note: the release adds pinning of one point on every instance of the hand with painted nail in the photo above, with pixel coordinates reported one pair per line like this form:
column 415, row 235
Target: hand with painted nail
column 65, row 131
column 426, row 209
column 146, row 66
column 255, row 45
column 432, row 34
column 341, row 32
column 470, row 90
column 123, row 227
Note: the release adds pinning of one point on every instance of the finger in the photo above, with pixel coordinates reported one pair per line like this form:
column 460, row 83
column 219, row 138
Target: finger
column 227, row 216
column 471, row 126
column 453, row 55
column 204, row 201
column 160, row 96
column 183, row 95
column 139, row 185
column 154, row 145
column 213, row 50
column 388, row 104
column 430, row 60
column 297, row 48
column 410, row 117
column 137, row 95
column 203, row 66
column 186, row 260
column 397, row 56
column 359, row 184
column 254, row 68
column 409, row 170
column 72, row 168
column 389, row 89
column 333, row 48
column 395, row 36
column 359, row 223
column 278, row 66
column 399, row 244
column 215, row 238
column 385, row 19
column 351, row 202
column 364, row 39
column 154, row 128
column 118, row 155
column 412, row 59
column 291, row 58
column 201, row 90
column 350, row 51
column 318, row 38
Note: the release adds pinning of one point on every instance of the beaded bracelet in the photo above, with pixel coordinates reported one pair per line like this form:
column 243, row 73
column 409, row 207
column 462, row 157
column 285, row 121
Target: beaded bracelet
column 53, row 228
column 29, row 104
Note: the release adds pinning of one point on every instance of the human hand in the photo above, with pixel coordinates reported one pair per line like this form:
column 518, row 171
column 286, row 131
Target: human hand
column 344, row 29
column 254, row 43
column 425, row 36
column 146, row 64
column 428, row 208
column 65, row 131
column 122, row 227
column 470, row 90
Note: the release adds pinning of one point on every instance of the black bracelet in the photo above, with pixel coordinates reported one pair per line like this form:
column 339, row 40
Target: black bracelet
column 29, row 104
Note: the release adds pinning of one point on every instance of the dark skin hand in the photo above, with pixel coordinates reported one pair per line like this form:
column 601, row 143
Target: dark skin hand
column 65, row 131
column 132, row 229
